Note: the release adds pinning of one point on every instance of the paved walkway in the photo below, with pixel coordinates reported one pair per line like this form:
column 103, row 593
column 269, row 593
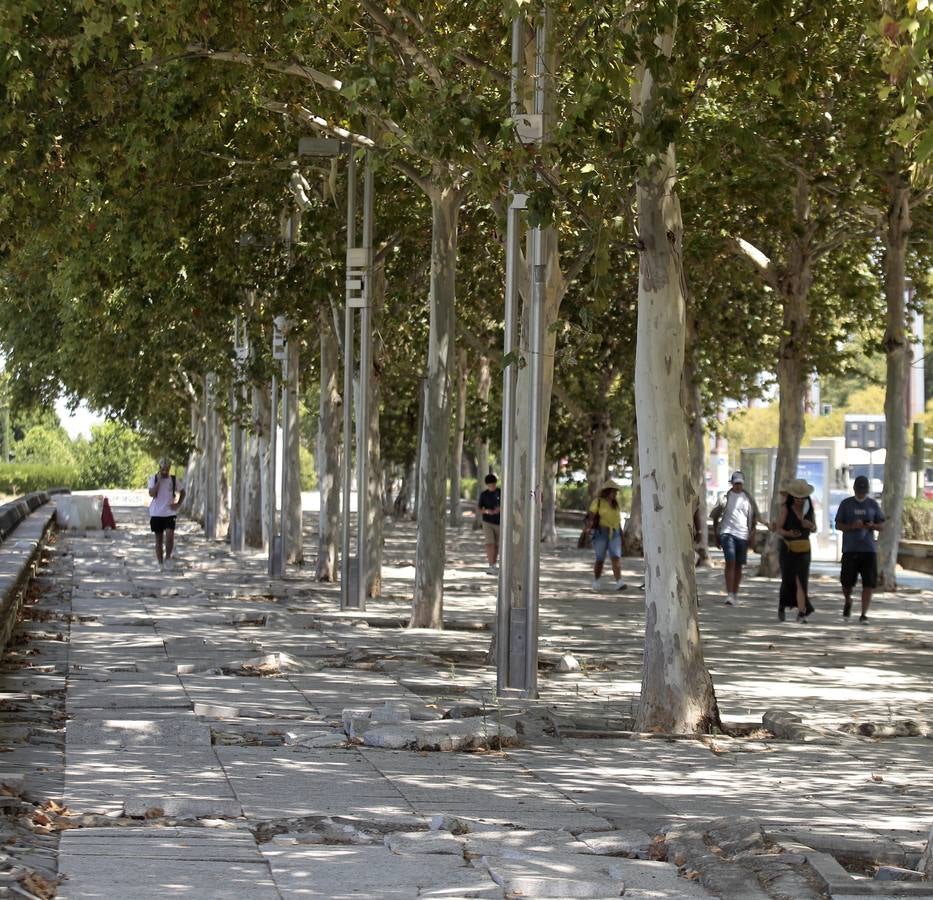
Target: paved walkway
column 192, row 725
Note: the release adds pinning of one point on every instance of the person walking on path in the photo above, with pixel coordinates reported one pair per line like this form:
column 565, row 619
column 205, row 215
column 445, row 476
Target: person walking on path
column 163, row 487
column 858, row 518
column 604, row 521
column 488, row 506
column 734, row 520
column 795, row 524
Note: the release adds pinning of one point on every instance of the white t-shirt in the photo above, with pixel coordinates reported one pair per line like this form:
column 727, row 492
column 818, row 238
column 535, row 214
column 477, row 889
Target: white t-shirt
column 161, row 504
column 736, row 515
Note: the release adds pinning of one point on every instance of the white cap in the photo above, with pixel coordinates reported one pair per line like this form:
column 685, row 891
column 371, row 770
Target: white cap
column 737, row 478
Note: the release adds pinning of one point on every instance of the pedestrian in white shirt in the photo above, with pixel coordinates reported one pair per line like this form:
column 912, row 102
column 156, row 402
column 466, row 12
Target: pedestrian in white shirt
column 734, row 519
column 163, row 488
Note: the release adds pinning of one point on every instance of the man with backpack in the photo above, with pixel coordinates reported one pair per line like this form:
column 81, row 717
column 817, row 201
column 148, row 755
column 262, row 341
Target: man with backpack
column 163, row 487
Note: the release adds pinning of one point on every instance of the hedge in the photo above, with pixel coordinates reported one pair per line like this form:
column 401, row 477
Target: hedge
column 918, row 520
column 24, row 478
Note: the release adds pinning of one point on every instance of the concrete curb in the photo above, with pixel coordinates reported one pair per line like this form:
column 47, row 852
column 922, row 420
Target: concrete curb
column 17, row 563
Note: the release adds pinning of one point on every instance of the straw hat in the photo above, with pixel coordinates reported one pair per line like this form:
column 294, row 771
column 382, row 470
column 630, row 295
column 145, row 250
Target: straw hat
column 610, row 485
column 799, row 488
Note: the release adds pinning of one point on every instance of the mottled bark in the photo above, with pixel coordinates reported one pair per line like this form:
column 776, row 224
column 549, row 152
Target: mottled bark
column 549, row 504
column 328, row 451
column 456, row 451
column 897, row 351
column 257, row 436
column 676, row 690
column 428, row 602
column 292, row 460
column 697, row 437
column 481, row 442
column 792, row 284
column 375, row 510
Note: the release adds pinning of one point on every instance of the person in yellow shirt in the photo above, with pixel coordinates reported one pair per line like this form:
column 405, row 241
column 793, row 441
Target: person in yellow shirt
column 605, row 523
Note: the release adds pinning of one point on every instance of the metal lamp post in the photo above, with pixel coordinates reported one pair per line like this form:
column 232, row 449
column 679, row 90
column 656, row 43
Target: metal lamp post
column 517, row 624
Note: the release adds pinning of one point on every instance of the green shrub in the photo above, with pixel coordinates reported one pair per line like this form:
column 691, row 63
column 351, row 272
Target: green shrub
column 918, row 520
column 24, row 478
column 45, row 446
column 573, row 495
column 468, row 488
column 109, row 459
column 147, row 465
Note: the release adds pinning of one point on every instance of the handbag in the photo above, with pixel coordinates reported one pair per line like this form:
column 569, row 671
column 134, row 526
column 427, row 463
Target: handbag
column 592, row 521
column 798, row 545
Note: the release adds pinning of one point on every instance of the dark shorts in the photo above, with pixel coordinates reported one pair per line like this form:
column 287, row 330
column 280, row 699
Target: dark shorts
column 734, row 549
column 855, row 563
column 158, row 524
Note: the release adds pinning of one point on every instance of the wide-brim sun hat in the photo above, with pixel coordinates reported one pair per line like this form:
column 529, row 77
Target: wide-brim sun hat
column 610, row 485
column 164, row 461
column 799, row 488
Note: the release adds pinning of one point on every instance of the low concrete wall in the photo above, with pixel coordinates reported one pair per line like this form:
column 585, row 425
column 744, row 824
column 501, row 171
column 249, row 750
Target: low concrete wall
column 916, row 555
column 22, row 530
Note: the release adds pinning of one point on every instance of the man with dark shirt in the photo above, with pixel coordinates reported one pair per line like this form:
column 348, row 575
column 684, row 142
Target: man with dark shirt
column 858, row 518
column 488, row 507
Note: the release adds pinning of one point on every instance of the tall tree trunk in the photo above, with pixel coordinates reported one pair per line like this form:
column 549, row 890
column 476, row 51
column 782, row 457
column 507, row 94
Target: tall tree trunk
column 549, row 504
column 328, row 453
column 792, row 284
column 428, row 602
column 597, row 459
column 256, row 440
column 697, row 437
column 676, row 689
column 897, row 352
column 632, row 539
column 291, row 459
column 223, row 484
column 456, row 452
column 193, row 507
column 481, row 442
column 262, row 421
column 375, row 510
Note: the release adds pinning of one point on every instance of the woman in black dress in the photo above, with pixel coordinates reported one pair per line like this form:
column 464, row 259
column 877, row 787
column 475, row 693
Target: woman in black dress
column 795, row 524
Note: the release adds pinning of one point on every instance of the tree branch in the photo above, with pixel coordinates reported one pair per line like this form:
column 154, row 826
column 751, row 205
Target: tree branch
column 748, row 251
column 197, row 51
column 403, row 42
column 321, row 124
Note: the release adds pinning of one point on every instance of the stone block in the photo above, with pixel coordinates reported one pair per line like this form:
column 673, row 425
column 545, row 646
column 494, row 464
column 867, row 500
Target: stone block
column 631, row 842
column 568, row 663
column 558, row 877
column 181, row 807
column 402, row 842
column 391, row 713
column 216, row 711
column 894, row 873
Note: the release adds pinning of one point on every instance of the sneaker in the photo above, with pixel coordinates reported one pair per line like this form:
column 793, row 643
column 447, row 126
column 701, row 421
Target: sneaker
column 732, row 600
column 161, row 567
column 170, row 565
column 620, row 585
column 847, row 610
column 492, row 570
column 863, row 619
column 782, row 614
column 801, row 618
column 595, row 584
column 641, row 587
